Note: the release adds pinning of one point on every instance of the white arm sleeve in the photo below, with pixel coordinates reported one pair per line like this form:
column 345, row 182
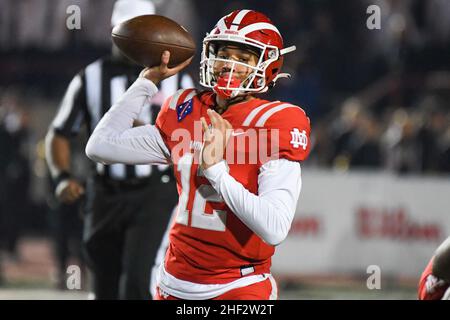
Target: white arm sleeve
column 270, row 213
column 114, row 140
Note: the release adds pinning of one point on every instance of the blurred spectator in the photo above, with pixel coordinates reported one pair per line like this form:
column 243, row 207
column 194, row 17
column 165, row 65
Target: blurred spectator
column 15, row 171
column 430, row 135
column 321, row 145
column 343, row 131
column 366, row 150
column 402, row 147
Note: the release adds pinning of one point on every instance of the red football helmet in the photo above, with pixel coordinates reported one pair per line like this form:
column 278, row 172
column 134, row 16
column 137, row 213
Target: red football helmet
column 248, row 29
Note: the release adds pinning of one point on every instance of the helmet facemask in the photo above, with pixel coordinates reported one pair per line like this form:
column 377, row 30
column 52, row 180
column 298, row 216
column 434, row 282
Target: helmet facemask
column 255, row 80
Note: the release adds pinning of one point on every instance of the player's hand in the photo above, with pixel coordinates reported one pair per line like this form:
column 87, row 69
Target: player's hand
column 215, row 139
column 68, row 191
column 161, row 72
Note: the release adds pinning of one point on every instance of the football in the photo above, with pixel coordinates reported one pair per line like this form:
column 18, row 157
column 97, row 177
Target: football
column 144, row 38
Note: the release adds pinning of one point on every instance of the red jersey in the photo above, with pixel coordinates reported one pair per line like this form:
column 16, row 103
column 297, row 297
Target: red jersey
column 208, row 243
column 431, row 287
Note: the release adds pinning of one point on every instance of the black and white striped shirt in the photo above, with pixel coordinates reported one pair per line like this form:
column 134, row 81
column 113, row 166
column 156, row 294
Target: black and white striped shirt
column 94, row 90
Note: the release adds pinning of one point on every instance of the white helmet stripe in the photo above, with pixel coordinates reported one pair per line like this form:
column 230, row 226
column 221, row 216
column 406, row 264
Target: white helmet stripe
column 254, row 113
column 221, row 25
column 271, row 112
column 258, row 26
column 237, row 20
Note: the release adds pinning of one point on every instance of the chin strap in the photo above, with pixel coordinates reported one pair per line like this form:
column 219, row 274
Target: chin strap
column 282, row 75
column 274, row 81
column 225, row 93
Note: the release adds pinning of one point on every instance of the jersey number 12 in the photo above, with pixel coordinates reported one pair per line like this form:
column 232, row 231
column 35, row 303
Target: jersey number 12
column 204, row 193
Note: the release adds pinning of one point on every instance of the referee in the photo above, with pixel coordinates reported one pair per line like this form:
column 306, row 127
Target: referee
column 127, row 207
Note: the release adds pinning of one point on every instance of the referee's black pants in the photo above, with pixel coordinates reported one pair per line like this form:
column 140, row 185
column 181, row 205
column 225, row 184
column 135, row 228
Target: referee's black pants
column 124, row 226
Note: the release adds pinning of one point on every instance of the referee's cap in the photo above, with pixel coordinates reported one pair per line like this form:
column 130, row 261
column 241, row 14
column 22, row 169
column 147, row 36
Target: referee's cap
column 128, row 9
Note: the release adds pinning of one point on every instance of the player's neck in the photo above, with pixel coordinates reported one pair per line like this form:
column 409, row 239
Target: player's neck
column 222, row 105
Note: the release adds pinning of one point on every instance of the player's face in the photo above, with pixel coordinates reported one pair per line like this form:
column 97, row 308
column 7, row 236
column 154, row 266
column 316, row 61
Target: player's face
column 232, row 53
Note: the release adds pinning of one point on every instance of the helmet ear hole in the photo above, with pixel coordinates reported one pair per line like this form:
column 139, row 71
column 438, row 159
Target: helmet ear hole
column 260, row 82
column 272, row 54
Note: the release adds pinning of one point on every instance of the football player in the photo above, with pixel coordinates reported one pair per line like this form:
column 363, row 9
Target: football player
column 435, row 280
column 236, row 159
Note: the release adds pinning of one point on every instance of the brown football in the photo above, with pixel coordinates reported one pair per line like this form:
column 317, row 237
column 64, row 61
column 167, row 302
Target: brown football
column 144, row 38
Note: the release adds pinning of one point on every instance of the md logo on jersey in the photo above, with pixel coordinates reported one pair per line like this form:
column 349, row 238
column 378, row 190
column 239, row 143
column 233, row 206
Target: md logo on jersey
column 184, row 109
column 299, row 139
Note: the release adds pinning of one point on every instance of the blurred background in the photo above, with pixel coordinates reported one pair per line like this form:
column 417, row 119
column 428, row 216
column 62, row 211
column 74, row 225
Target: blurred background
column 376, row 184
